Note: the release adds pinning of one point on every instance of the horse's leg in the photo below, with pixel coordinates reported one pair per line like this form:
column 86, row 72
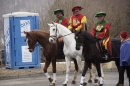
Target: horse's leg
column 91, row 74
column 68, row 64
column 79, row 61
column 117, row 62
column 99, row 73
column 54, row 71
column 75, row 72
column 102, row 73
column 96, row 75
column 83, row 74
column 47, row 63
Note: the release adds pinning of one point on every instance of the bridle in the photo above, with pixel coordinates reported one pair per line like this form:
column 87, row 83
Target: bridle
column 27, row 43
column 57, row 31
column 54, row 36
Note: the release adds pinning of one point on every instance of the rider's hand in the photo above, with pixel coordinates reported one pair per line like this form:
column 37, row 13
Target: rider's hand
column 123, row 63
column 74, row 31
column 60, row 39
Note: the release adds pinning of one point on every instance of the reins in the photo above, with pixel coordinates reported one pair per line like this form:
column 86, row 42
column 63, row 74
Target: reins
column 66, row 35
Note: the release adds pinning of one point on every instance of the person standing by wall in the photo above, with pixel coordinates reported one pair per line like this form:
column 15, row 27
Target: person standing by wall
column 124, row 58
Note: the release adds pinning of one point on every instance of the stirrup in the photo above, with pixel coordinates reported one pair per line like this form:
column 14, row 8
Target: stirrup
column 105, row 57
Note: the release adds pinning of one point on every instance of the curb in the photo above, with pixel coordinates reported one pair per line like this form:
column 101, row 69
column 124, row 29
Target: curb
column 42, row 74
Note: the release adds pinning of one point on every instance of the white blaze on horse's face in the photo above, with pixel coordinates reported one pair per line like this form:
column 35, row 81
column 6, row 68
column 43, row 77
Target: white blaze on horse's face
column 26, row 40
column 53, row 33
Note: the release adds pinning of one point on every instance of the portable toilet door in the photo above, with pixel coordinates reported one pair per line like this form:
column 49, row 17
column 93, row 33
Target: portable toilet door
column 20, row 56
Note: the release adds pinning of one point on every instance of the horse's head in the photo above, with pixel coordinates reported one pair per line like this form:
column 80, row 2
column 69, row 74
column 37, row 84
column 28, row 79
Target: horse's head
column 30, row 41
column 79, row 40
column 53, row 33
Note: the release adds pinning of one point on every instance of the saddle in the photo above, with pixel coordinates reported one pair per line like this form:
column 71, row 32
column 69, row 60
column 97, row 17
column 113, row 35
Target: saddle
column 115, row 47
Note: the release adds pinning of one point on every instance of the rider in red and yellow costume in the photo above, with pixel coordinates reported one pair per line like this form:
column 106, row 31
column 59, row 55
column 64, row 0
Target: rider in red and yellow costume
column 77, row 20
column 101, row 31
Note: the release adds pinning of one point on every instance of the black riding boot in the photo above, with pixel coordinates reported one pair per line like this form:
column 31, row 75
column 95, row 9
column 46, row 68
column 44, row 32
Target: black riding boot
column 103, row 51
column 60, row 49
column 106, row 54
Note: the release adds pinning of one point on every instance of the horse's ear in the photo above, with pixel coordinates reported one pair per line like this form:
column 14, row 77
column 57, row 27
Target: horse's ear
column 25, row 32
column 54, row 23
column 50, row 24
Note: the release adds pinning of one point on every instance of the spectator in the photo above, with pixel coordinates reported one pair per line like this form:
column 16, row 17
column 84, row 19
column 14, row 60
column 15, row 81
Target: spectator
column 124, row 58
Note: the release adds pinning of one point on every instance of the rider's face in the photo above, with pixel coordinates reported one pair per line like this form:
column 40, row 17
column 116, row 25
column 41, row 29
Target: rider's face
column 59, row 15
column 101, row 18
column 76, row 11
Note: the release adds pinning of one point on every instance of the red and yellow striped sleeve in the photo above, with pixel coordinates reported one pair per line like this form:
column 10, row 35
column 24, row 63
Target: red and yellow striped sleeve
column 70, row 23
column 107, row 29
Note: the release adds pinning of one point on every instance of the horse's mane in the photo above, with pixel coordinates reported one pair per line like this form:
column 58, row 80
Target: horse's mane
column 88, row 36
column 63, row 26
column 38, row 33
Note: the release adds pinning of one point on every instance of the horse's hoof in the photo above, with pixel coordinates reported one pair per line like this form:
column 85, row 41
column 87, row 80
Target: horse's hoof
column 101, row 85
column 84, row 84
column 53, row 84
column 50, row 79
column 81, row 85
column 117, row 84
column 89, row 81
column 64, row 84
column 95, row 80
column 73, row 82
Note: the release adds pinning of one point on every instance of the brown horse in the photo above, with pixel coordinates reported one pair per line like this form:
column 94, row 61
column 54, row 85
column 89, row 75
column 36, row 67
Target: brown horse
column 49, row 51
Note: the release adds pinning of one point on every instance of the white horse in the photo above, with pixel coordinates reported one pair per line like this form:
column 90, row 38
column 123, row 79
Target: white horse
column 58, row 30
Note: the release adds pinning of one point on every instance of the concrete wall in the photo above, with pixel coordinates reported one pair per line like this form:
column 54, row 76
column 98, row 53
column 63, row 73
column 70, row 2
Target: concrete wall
column 109, row 65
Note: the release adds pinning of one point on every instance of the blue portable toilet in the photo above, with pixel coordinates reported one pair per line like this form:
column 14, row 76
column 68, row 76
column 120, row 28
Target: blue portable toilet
column 17, row 55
